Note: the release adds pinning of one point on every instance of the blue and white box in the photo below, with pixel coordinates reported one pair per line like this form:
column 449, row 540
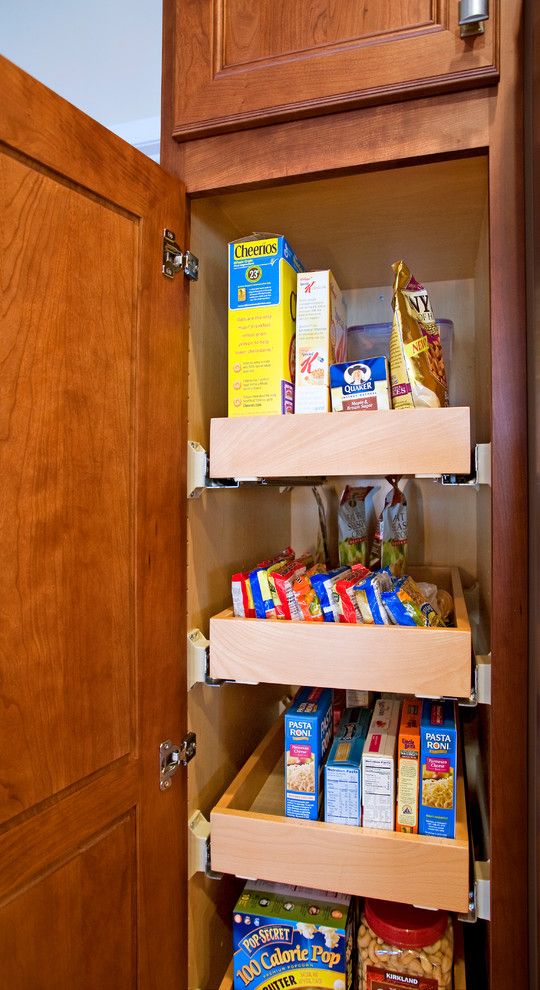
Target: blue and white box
column 438, row 759
column 308, row 734
column 343, row 769
column 360, row 385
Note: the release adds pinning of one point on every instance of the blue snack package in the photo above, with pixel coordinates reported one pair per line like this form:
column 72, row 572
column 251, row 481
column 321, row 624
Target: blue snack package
column 322, row 585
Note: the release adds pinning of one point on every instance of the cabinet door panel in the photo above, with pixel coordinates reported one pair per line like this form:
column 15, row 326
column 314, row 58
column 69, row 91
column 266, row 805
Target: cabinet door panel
column 238, row 64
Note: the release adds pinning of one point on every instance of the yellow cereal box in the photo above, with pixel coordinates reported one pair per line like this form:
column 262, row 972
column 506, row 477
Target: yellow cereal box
column 262, row 325
column 321, row 339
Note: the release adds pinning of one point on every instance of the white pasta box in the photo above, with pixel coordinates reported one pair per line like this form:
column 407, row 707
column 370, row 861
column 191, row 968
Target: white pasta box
column 321, row 339
column 379, row 766
column 438, row 761
column 308, row 734
column 343, row 769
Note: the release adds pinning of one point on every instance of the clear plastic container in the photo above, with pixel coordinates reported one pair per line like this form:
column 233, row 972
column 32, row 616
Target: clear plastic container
column 373, row 339
column 396, row 940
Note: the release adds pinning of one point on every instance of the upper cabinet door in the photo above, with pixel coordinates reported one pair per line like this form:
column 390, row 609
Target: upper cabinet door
column 240, row 63
column 92, row 581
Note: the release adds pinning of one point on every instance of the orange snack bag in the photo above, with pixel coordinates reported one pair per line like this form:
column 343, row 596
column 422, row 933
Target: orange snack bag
column 309, row 606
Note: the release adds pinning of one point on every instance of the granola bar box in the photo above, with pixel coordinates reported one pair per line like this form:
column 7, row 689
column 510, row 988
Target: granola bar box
column 293, row 937
column 438, row 762
column 308, row 734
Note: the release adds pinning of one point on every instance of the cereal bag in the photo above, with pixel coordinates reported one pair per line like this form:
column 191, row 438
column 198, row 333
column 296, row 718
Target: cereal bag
column 352, row 525
column 416, row 360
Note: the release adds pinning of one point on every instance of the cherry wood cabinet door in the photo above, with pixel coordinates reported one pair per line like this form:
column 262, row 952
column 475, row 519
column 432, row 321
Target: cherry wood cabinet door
column 92, row 371
column 242, row 63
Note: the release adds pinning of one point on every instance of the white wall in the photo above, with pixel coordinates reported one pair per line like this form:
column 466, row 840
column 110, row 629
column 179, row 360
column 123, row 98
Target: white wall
column 102, row 55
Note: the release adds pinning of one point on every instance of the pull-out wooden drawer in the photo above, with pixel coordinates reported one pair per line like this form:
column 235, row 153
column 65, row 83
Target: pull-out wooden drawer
column 425, row 662
column 252, row 838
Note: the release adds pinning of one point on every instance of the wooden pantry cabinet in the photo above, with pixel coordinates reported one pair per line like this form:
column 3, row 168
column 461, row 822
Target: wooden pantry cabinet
column 108, row 369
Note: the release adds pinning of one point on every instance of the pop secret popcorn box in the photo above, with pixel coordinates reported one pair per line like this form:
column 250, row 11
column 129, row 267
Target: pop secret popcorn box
column 293, row 937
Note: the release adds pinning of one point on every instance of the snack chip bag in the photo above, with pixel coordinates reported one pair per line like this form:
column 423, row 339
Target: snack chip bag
column 417, row 369
column 369, row 598
column 242, row 597
column 281, row 581
column 352, row 525
column 407, row 606
column 260, row 588
column 344, row 591
column 324, row 585
column 390, row 541
column 308, row 604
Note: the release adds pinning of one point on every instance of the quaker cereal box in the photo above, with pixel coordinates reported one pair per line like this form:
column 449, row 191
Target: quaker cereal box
column 293, row 937
column 308, row 734
column 408, row 752
column 343, row 769
column 438, row 759
column 360, row 385
column 321, row 339
column 379, row 766
column 262, row 324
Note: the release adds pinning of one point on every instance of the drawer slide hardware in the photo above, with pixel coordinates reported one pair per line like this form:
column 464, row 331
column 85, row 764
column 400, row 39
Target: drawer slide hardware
column 480, row 688
column 175, row 260
column 199, row 854
column 480, row 473
column 198, row 662
column 480, row 895
column 172, row 757
column 472, row 14
column 199, row 480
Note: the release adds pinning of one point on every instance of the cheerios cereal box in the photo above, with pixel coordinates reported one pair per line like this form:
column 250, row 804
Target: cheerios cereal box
column 308, row 734
column 438, row 762
column 262, row 325
column 293, row 937
column 321, row 339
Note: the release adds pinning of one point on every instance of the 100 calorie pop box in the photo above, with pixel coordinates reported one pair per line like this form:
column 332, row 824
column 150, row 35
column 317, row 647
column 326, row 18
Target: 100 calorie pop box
column 308, row 733
column 293, row 937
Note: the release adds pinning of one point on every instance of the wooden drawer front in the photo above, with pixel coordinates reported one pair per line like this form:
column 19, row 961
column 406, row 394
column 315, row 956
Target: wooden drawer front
column 426, row 662
column 241, row 64
column 251, row 838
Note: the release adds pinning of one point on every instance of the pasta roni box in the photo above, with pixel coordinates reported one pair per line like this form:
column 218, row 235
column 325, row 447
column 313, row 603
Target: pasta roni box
column 321, row 339
column 293, row 937
column 408, row 766
column 262, row 325
column 308, row 734
column 438, row 759
column 343, row 769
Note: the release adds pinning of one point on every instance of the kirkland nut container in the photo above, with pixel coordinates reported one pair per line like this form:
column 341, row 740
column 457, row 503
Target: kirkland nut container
column 401, row 947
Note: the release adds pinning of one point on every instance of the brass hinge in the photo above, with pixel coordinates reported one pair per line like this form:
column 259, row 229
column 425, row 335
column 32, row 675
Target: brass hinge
column 175, row 260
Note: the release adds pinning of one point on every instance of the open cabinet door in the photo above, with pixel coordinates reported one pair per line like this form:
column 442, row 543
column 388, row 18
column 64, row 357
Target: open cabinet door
column 92, row 562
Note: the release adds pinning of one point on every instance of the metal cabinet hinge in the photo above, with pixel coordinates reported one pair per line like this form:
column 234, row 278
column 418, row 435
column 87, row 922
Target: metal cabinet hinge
column 172, row 757
column 471, row 17
column 175, row 260
column 199, row 852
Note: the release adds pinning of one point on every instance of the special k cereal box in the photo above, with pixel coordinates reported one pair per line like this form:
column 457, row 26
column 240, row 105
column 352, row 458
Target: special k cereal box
column 321, row 339
column 308, row 734
column 262, row 325
column 408, row 754
column 379, row 766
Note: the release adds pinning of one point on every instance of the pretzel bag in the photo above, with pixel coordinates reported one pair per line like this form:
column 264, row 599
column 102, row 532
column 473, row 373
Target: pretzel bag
column 417, row 369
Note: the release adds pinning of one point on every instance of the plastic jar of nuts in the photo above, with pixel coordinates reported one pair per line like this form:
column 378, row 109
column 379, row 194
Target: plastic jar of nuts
column 397, row 941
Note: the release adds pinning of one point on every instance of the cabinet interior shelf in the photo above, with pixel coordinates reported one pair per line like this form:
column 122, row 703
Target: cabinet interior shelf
column 404, row 659
column 402, row 441
column 252, row 838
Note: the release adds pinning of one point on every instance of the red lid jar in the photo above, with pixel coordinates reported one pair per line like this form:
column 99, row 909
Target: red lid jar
column 404, row 926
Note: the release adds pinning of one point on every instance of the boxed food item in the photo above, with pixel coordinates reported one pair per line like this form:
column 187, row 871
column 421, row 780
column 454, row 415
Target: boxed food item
column 379, row 766
column 358, row 699
column 360, row 385
column 408, row 775
column 293, row 937
column 438, row 759
column 262, row 324
column 308, row 734
column 416, row 357
column 321, row 339
column 343, row 769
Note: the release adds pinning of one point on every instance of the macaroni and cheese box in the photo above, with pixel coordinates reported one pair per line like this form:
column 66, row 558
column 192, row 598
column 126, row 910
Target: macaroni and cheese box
column 262, row 325
column 360, row 385
column 343, row 769
column 438, row 758
column 379, row 766
column 308, row 734
column 293, row 937
column 321, row 339
column 408, row 751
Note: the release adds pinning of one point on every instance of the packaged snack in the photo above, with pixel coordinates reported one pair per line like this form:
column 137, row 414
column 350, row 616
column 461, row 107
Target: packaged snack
column 360, row 385
column 308, row 734
column 321, row 339
column 344, row 592
column 242, row 596
column 262, row 310
column 352, row 525
column 358, row 699
column 324, row 586
column 379, row 766
column 408, row 775
column 343, row 769
column 260, row 588
column 369, row 598
column 438, row 758
column 281, row 582
column 407, row 606
column 416, row 358
column 445, row 604
column 400, row 947
column 390, row 541
column 309, row 606
column 293, row 937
